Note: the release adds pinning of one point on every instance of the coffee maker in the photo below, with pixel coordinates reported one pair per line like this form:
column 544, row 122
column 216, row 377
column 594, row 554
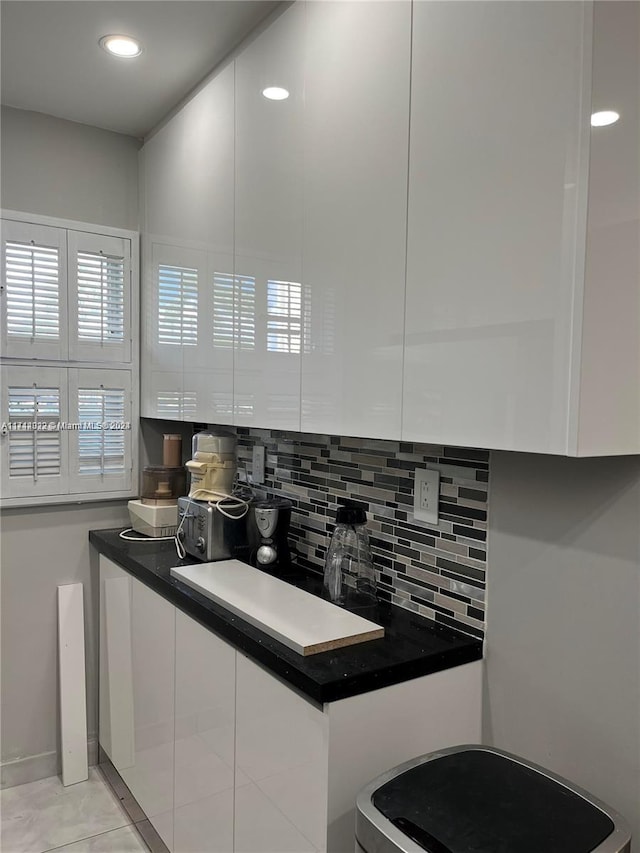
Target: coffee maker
column 272, row 518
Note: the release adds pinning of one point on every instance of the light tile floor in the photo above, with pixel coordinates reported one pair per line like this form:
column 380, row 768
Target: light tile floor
column 82, row 818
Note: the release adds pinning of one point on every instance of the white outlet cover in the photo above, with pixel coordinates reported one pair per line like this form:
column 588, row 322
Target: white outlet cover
column 426, row 495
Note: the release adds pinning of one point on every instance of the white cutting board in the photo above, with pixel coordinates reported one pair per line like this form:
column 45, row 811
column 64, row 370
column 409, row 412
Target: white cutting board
column 302, row 621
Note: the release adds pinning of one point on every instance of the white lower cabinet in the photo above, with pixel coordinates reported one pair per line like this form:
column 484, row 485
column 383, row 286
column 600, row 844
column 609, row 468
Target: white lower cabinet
column 137, row 689
column 281, row 766
column 222, row 756
column 204, row 740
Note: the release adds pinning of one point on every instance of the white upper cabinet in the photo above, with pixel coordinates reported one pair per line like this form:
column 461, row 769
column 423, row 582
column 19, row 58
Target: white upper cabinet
column 425, row 240
column 356, row 126
column 268, row 227
column 496, row 134
column 498, row 353
column 188, row 184
column 607, row 420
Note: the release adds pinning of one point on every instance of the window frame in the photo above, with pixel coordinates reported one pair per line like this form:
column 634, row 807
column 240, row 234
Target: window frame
column 130, row 363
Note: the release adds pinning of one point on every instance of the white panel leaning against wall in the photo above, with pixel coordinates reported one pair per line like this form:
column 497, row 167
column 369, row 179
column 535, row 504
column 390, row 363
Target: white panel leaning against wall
column 69, row 360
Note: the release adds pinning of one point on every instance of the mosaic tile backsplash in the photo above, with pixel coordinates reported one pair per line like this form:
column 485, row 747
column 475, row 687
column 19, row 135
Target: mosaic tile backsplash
column 437, row 571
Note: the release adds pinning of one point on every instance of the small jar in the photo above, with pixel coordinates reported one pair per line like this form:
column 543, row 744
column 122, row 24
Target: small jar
column 349, row 577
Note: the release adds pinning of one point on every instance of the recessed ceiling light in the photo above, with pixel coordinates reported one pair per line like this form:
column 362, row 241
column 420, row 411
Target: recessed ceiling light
column 121, row 46
column 603, row 118
column 275, row 93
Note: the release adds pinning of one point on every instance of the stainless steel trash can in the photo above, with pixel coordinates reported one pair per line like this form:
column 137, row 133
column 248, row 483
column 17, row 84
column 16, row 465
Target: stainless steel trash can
column 476, row 799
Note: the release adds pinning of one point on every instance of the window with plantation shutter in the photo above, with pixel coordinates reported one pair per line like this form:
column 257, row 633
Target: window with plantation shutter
column 177, row 305
column 99, row 309
column 284, row 316
column 33, row 291
column 34, row 405
column 67, row 300
column 34, row 452
column 101, row 410
column 100, row 298
column 101, row 450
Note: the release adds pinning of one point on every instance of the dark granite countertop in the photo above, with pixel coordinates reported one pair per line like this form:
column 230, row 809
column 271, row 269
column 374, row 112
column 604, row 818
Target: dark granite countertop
column 412, row 645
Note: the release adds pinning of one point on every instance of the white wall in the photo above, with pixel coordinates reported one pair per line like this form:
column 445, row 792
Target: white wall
column 61, row 168
column 40, row 549
column 563, row 620
column 56, row 168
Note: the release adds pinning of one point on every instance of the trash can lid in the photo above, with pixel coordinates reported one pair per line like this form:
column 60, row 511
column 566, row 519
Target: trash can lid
column 479, row 801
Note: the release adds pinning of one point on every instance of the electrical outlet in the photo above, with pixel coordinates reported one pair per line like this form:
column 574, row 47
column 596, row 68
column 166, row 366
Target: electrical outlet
column 426, row 495
column 257, row 467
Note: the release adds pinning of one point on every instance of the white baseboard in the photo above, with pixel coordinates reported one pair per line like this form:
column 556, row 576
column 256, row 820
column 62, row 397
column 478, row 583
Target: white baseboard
column 34, row 767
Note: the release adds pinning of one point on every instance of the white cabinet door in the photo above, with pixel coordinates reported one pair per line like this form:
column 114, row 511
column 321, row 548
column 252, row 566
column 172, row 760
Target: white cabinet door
column 150, row 777
column 188, row 191
column 268, row 227
column 281, row 767
column 497, row 164
column 116, row 666
column 608, row 388
column 204, row 746
column 356, row 127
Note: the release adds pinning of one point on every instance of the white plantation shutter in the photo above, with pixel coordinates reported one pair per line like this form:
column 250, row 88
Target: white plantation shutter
column 33, row 291
column 101, row 450
column 284, row 316
column 100, row 403
column 100, row 323
column 177, row 305
column 34, row 446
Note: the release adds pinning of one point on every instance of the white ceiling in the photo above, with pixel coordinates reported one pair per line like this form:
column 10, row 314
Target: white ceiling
column 51, row 61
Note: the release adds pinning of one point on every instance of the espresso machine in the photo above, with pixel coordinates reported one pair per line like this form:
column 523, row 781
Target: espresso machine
column 272, row 518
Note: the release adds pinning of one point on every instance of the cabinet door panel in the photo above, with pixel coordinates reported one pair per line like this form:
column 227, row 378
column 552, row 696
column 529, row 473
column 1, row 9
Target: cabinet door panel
column 356, row 126
column 609, row 385
column 116, row 666
column 496, row 167
column 150, row 778
column 281, row 766
column 268, row 217
column 204, row 747
column 187, row 364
